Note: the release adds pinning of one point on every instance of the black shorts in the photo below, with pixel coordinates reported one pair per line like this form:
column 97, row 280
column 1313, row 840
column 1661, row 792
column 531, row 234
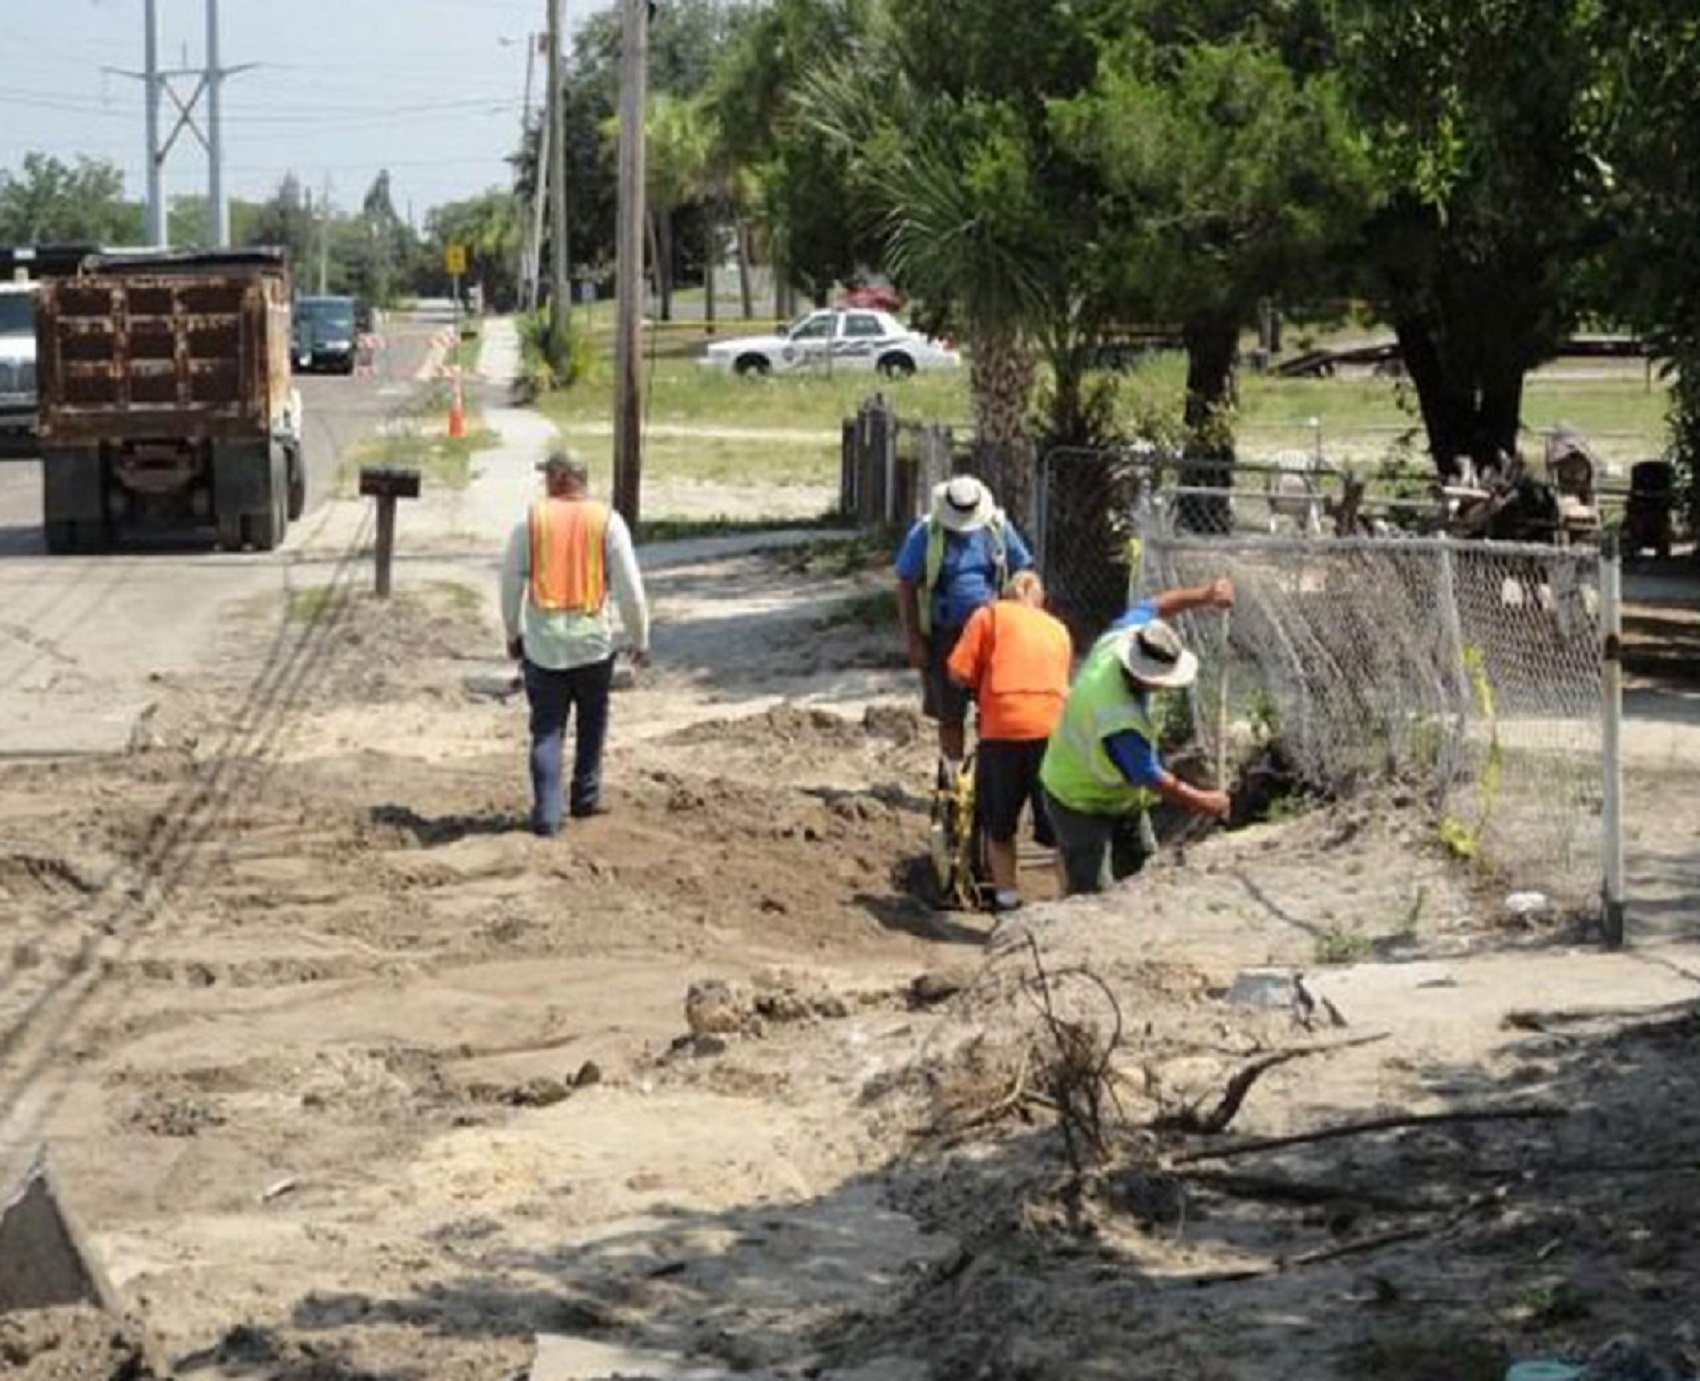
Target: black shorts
column 1006, row 778
column 941, row 698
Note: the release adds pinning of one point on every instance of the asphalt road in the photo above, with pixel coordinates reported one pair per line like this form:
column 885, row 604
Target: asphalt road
column 339, row 411
column 81, row 637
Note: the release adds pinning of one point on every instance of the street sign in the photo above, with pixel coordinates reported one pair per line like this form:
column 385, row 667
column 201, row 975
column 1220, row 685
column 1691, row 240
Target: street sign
column 454, row 260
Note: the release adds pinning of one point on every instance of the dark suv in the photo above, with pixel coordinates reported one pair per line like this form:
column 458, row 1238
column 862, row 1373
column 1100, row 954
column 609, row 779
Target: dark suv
column 325, row 335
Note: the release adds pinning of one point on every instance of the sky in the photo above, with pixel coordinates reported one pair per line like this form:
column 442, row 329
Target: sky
column 433, row 90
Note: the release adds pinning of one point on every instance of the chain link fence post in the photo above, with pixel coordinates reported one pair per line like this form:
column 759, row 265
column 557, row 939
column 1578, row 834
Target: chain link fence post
column 1611, row 666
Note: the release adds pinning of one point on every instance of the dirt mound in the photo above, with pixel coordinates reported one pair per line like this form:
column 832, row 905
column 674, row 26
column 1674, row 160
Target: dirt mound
column 77, row 1344
column 793, row 727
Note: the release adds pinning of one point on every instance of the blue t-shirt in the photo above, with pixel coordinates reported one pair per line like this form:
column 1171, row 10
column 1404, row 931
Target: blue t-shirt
column 1131, row 751
column 968, row 576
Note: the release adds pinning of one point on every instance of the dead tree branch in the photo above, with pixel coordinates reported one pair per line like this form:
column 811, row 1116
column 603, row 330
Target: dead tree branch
column 1368, row 1126
column 1189, row 1120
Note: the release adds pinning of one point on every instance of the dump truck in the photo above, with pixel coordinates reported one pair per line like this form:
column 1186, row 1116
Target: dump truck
column 166, row 400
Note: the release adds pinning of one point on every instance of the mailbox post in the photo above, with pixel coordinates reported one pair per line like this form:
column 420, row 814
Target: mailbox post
column 386, row 484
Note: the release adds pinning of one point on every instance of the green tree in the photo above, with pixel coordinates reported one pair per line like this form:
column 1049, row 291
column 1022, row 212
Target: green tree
column 790, row 184
column 1652, row 154
column 1483, row 121
column 678, row 156
column 687, row 39
column 1230, row 178
column 50, row 200
column 945, row 112
column 489, row 226
column 379, row 252
column 284, row 219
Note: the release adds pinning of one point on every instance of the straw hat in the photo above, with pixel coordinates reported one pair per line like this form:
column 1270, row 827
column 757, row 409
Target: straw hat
column 1153, row 656
column 963, row 504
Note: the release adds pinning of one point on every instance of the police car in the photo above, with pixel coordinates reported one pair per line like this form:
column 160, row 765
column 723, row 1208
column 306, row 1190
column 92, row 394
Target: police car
column 833, row 339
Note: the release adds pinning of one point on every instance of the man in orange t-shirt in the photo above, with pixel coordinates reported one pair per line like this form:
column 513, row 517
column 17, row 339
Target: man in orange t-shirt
column 1016, row 658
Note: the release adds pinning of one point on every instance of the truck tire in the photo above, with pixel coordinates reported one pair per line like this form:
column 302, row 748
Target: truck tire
column 61, row 537
column 72, row 535
column 297, row 466
column 230, row 531
column 264, row 530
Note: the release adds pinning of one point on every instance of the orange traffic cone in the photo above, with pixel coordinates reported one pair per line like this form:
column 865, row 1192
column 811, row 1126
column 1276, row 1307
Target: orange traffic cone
column 457, row 411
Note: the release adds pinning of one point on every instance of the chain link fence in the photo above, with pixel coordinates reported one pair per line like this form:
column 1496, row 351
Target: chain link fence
column 1464, row 674
column 1468, row 672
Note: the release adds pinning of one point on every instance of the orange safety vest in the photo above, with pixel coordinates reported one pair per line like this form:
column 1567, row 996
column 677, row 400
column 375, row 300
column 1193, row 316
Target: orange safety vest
column 569, row 556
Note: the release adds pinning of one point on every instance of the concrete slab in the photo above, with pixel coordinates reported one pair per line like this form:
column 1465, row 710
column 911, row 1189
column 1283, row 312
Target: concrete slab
column 43, row 1260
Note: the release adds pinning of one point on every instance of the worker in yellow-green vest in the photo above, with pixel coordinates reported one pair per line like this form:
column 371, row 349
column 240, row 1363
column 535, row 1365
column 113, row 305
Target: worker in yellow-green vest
column 957, row 558
column 1101, row 773
column 563, row 560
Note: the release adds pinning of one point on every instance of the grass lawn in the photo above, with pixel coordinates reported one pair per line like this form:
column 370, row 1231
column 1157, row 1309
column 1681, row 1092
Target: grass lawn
column 679, row 392
column 1360, row 419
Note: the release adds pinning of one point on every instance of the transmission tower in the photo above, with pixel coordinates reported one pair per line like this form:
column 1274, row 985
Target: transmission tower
column 159, row 83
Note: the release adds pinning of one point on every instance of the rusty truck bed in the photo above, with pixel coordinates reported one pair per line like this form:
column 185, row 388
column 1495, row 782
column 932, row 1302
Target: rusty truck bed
column 151, row 351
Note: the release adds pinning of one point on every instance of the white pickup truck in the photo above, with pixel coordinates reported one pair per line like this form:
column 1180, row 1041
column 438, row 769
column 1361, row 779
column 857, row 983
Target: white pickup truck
column 17, row 361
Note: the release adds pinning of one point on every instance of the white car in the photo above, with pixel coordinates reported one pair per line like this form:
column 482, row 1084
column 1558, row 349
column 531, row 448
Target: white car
column 830, row 339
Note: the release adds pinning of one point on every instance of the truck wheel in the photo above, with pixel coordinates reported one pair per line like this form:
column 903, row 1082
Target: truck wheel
column 297, row 467
column 230, row 531
column 264, row 530
column 60, row 537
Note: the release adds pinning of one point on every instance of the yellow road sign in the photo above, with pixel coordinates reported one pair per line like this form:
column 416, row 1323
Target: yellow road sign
column 454, row 260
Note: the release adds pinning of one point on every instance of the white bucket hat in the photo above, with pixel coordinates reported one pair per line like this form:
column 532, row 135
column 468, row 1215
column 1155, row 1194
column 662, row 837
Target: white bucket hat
column 962, row 504
column 1153, row 655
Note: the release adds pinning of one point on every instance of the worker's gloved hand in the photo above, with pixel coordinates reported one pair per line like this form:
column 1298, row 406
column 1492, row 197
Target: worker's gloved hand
column 917, row 652
column 637, row 656
column 516, row 649
column 1222, row 593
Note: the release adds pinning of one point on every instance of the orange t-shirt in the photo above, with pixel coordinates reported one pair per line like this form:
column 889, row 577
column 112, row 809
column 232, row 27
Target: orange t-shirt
column 1017, row 660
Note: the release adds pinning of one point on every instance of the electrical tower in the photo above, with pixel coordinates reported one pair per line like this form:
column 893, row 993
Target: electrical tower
column 209, row 81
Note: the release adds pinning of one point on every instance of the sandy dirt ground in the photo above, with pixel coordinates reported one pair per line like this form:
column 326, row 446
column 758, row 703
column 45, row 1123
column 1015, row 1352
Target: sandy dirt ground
column 349, row 1076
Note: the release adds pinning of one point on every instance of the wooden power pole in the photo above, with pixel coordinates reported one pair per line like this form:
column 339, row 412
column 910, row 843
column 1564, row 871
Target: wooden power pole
column 560, row 285
column 628, row 438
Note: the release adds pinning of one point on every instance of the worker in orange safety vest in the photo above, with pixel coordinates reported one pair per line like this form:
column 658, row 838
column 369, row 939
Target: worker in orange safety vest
column 562, row 562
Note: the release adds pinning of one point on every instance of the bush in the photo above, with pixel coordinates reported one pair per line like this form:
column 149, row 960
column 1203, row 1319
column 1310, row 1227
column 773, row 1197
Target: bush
column 540, row 373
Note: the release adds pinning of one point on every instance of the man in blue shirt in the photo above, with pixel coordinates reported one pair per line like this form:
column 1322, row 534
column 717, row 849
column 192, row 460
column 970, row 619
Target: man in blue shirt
column 957, row 558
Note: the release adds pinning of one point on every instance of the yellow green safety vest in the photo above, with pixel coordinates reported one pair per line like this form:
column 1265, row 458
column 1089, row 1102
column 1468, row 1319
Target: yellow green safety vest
column 1078, row 769
column 935, row 563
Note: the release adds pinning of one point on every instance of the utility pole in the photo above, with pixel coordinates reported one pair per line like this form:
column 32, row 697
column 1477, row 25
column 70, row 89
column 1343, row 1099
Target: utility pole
column 156, row 160
column 325, row 236
column 560, row 285
column 539, row 206
column 628, row 439
column 218, row 210
column 528, row 244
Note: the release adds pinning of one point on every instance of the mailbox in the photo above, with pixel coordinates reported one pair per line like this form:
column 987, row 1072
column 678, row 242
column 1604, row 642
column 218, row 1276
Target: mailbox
column 386, row 484
column 389, row 482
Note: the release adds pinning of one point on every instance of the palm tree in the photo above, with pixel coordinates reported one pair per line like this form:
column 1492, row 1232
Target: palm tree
column 960, row 241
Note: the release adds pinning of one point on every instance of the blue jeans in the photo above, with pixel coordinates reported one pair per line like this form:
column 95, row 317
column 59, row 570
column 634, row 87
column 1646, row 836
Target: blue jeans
column 554, row 695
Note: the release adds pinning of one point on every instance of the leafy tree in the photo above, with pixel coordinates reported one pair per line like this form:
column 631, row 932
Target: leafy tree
column 379, row 249
column 49, row 200
column 1482, row 118
column 489, row 226
column 790, row 185
column 686, row 41
column 1231, row 178
column 284, row 219
column 1652, row 153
